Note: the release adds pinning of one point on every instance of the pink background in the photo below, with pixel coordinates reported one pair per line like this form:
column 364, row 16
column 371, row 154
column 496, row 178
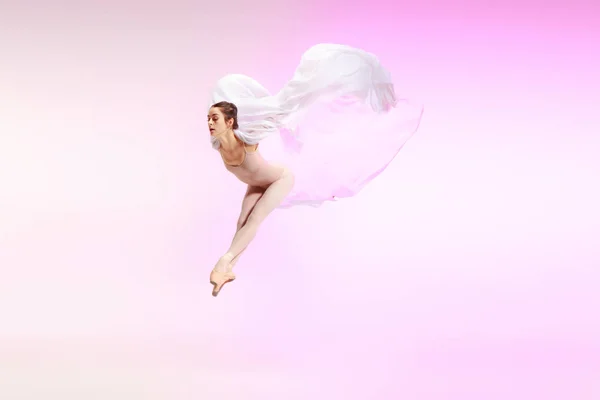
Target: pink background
column 468, row 270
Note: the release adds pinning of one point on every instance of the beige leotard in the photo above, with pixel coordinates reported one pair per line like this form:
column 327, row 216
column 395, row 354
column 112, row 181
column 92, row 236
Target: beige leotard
column 245, row 162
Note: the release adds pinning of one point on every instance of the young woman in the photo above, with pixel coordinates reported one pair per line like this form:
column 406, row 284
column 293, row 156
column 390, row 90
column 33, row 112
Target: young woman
column 352, row 127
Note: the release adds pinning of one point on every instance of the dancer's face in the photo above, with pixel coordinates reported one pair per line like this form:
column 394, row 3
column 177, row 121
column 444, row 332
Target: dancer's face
column 216, row 121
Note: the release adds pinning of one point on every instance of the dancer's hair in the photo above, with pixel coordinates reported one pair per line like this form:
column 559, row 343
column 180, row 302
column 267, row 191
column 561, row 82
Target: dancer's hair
column 229, row 110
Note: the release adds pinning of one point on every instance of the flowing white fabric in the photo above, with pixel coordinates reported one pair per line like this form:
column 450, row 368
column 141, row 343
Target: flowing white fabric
column 338, row 120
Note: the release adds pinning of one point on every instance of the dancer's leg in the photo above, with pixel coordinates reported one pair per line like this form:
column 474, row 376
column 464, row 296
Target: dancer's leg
column 253, row 194
column 270, row 199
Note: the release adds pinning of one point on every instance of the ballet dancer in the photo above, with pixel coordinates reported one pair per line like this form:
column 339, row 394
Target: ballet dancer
column 330, row 78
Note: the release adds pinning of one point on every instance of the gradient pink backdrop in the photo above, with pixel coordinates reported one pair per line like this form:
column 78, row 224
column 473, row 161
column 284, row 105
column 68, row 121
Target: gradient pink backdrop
column 469, row 270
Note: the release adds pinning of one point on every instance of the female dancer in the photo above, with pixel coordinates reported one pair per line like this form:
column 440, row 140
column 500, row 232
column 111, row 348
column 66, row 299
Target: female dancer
column 341, row 94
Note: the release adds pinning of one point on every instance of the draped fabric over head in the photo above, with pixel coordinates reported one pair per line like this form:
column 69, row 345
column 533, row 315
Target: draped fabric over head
column 337, row 122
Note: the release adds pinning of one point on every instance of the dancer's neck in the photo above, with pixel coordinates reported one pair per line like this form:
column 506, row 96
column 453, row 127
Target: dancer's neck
column 227, row 139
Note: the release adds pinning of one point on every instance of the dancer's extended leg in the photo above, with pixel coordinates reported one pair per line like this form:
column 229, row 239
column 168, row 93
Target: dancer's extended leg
column 271, row 198
column 253, row 194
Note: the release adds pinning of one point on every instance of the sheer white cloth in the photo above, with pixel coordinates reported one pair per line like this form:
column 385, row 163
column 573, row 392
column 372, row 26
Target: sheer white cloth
column 338, row 121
